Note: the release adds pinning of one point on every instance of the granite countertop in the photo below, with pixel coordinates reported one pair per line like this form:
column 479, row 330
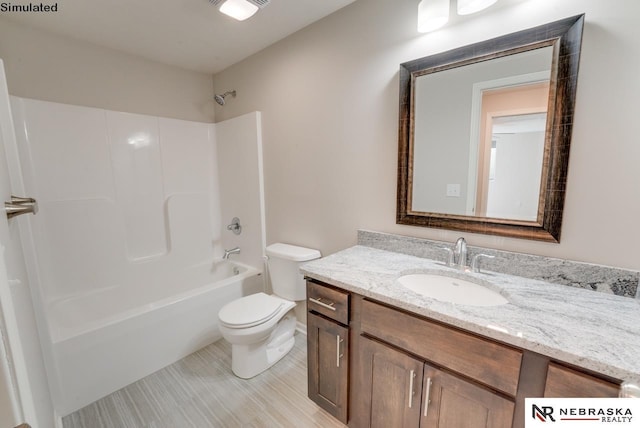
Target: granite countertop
column 597, row 331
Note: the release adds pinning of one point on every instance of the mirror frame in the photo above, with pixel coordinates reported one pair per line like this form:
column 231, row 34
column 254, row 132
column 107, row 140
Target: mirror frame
column 566, row 37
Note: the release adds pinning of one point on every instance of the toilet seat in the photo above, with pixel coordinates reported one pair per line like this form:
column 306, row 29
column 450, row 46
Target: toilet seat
column 250, row 311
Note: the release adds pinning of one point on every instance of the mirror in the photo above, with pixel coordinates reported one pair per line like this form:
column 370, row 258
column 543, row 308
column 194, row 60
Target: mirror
column 485, row 131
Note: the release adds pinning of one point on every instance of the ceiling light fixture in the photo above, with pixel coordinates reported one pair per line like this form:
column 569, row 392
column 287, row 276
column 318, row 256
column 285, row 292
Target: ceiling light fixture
column 467, row 7
column 432, row 14
column 240, row 9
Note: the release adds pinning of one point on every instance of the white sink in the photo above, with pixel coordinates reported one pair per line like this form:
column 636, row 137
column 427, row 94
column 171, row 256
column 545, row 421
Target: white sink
column 453, row 290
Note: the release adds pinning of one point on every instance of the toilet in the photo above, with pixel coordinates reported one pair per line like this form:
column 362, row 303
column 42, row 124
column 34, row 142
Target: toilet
column 260, row 327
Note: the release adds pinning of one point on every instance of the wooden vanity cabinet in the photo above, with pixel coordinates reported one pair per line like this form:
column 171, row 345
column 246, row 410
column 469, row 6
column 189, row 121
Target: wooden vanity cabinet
column 375, row 365
column 565, row 382
column 455, row 402
column 388, row 387
column 405, row 375
column 328, row 348
column 399, row 390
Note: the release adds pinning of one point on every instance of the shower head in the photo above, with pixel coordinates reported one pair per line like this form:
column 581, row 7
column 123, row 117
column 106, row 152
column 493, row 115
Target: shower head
column 220, row 98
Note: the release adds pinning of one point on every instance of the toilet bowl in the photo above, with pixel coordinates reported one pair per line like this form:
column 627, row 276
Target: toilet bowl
column 261, row 327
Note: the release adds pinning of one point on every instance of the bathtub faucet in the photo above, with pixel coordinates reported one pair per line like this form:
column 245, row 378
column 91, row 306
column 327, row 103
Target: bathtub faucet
column 228, row 253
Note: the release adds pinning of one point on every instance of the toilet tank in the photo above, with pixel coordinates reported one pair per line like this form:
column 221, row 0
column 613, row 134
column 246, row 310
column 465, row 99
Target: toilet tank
column 284, row 263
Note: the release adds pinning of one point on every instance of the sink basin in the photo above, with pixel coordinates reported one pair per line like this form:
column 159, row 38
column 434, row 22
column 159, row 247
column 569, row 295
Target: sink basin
column 453, row 290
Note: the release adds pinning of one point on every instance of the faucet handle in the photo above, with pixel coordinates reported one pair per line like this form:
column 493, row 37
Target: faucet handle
column 474, row 262
column 235, row 226
column 450, row 257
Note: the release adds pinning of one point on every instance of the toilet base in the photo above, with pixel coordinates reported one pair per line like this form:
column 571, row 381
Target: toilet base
column 250, row 360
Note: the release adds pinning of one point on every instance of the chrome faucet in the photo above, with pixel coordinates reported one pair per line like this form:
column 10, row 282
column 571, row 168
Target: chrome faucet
column 460, row 253
column 228, row 253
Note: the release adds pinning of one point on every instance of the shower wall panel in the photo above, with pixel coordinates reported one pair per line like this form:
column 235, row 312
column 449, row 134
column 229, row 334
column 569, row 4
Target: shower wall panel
column 241, row 191
column 119, row 194
column 136, row 164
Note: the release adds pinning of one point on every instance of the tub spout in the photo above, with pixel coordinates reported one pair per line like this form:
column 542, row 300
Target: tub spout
column 227, row 253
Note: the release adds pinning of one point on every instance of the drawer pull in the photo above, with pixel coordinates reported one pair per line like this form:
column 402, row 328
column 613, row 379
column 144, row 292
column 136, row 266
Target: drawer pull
column 412, row 376
column 324, row 305
column 426, row 397
column 338, row 354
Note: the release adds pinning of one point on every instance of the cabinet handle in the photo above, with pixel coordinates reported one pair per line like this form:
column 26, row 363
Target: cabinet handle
column 426, row 397
column 338, row 354
column 412, row 376
column 324, row 305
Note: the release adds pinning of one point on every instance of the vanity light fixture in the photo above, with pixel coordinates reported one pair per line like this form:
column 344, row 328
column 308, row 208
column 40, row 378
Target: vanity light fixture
column 240, row 9
column 467, row 7
column 432, row 14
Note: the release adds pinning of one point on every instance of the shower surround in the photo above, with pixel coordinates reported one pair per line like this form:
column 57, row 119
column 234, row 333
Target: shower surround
column 125, row 250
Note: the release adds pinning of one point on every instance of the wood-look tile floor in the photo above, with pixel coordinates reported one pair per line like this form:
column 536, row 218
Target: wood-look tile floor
column 200, row 391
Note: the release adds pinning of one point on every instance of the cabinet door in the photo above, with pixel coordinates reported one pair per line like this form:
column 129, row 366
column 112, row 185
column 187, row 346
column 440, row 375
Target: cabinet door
column 451, row 402
column 390, row 388
column 565, row 382
column 327, row 347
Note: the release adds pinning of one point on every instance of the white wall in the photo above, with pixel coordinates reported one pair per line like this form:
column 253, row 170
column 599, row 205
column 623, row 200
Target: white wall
column 50, row 67
column 329, row 98
column 515, row 187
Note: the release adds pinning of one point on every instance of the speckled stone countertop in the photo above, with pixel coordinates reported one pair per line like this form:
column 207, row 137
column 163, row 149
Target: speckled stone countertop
column 597, row 331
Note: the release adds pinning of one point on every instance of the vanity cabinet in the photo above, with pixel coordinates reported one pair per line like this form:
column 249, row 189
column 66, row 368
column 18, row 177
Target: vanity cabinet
column 408, row 382
column 389, row 387
column 375, row 365
column 487, row 362
column 328, row 348
column 565, row 382
column 398, row 390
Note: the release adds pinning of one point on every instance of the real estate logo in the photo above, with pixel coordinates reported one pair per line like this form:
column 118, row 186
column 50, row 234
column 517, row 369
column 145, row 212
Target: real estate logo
column 543, row 413
column 582, row 412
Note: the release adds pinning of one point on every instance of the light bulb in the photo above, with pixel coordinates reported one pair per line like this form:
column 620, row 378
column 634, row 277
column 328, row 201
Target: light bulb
column 432, row 14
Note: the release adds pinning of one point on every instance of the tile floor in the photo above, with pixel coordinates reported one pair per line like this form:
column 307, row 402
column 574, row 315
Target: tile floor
column 200, row 391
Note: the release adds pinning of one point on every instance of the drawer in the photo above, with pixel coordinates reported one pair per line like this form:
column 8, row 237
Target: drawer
column 490, row 363
column 565, row 382
column 328, row 301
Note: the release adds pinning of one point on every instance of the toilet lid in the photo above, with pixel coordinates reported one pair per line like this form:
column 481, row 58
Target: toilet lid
column 250, row 311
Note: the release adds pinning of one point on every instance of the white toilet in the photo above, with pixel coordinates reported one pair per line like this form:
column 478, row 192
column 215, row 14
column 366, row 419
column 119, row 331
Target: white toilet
column 260, row 327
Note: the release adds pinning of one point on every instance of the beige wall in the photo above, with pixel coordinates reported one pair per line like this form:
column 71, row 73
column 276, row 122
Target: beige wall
column 329, row 97
column 54, row 68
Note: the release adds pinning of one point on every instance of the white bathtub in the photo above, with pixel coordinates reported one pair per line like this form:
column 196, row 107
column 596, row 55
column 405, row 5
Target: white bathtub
column 108, row 339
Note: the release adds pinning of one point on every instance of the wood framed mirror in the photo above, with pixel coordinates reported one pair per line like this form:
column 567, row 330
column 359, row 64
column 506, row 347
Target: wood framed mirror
column 485, row 132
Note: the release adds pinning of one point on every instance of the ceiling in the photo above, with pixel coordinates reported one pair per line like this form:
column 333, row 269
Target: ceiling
column 191, row 34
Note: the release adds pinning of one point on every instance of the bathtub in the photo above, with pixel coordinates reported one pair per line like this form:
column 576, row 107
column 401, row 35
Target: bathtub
column 107, row 339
